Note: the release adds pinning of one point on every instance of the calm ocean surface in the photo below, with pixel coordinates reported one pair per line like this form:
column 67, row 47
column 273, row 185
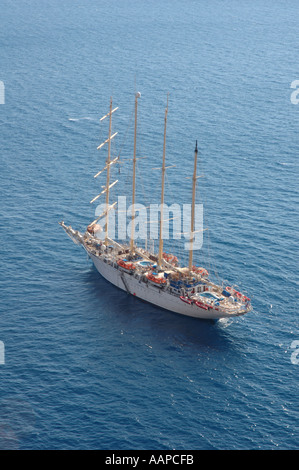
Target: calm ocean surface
column 87, row 366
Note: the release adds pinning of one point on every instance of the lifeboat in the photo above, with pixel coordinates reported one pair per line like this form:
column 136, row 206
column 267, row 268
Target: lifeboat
column 155, row 280
column 126, row 266
column 201, row 305
column 92, row 229
column 170, row 258
column 202, row 271
column 186, row 300
column 231, row 290
column 237, row 294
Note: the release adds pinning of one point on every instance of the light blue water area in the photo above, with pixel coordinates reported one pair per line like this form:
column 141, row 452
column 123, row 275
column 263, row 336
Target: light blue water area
column 87, row 366
column 145, row 263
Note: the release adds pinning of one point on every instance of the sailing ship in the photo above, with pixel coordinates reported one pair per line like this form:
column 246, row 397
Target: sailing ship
column 156, row 278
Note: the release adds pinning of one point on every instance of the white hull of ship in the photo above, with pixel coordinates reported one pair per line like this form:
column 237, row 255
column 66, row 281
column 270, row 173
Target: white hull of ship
column 153, row 294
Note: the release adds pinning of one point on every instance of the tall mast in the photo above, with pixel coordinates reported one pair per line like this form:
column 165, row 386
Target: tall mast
column 109, row 162
column 162, row 190
column 137, row 95
column 108, row 171
column 193, row 210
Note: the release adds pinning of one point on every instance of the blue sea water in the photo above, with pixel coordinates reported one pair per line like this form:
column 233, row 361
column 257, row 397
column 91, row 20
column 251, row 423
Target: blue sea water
column 86, row 366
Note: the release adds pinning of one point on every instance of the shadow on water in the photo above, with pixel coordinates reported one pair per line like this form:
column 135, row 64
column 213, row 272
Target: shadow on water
column 129, row 313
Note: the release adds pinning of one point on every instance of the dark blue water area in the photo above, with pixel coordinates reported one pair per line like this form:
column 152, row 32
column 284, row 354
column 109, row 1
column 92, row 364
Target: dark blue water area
column 86, row 366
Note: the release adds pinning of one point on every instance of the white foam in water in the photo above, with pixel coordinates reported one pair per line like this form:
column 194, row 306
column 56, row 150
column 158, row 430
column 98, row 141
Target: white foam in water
column 81, row 119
